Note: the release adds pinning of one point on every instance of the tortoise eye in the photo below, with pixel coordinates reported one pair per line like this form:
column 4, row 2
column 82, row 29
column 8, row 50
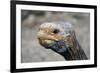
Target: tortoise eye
column 56, row 31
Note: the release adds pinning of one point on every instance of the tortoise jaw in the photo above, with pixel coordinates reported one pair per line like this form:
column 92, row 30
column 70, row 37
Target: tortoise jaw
column 45, row 42
column 57, row 46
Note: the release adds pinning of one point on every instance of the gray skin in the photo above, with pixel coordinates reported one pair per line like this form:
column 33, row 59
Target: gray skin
column 69, row 50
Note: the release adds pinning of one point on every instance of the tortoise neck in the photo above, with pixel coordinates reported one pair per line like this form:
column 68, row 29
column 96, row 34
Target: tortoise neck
column 76, row 54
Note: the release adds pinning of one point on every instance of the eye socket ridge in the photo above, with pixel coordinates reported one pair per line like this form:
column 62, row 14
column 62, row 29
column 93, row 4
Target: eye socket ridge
column 55, row 31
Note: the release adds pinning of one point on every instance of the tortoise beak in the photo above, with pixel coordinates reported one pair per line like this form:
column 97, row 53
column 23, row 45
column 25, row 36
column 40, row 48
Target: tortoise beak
column 44, row 39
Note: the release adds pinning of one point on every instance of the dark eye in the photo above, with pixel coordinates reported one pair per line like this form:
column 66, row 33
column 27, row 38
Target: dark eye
column 56, row 31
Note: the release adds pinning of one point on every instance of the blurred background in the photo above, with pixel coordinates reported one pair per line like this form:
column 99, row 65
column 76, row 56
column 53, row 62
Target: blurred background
column 32, row 51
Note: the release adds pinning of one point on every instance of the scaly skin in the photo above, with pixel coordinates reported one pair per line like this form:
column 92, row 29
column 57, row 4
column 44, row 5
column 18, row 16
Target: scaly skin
column 60, row 37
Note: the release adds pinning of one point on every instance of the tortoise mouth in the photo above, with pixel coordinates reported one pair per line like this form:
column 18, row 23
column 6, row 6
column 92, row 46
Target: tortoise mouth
column 57, row 46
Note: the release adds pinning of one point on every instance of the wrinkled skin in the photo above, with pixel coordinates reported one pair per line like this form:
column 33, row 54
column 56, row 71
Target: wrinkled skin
column 61, row 48
column 61, row 39
column 58, row 47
